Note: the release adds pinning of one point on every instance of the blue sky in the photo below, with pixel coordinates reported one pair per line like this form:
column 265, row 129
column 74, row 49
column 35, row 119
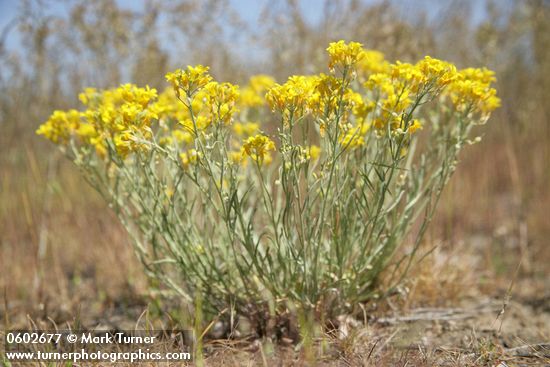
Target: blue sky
column 249, row 10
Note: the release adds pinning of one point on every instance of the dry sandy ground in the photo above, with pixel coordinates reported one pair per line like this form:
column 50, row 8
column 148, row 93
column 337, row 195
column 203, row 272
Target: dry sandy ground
column 474, row 332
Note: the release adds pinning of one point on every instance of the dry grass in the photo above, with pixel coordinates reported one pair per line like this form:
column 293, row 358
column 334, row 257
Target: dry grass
column 64, row 256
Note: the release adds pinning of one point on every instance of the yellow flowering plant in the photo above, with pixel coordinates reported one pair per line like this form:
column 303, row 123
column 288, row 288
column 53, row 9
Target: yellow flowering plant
column 307, row 218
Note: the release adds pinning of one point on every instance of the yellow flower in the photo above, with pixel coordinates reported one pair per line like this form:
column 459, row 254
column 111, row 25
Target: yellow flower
column 396, row 103
column 490, row 102
column 253, row 94
column 140, row 96
column 249, row 98
column 60, row 126
column 381, row 123
column 344, row 55
column 441, row 72
column 177, row 136
column 100, row 147
column 472, row 89
column 130, row 112
column 314, row 152
column 132, row 139
column 361, row 110
column 221, row 98
column 165, row 141
column 414, row 126
column 380, row 82
column 182, row 136
column 293, row 96
column 261, row 82
column 257, row 147
column 353, row 101
column 86, row 132
column 87, row 96
column 326, row 96
column 371, row 62
column 169, row 107
column 190, row 157
column 322, row 129
column 123, row 115
column 169, row 192
column 483, row 75
column 190, row 80
column 405, row 74
column 353, row 138
column 248, row 128
column 237, row 157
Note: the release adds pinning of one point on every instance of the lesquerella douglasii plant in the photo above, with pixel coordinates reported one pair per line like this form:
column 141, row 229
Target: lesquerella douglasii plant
column 302, row 214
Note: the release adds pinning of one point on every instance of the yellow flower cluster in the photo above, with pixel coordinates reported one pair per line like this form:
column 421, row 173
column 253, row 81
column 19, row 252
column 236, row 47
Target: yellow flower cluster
column 326, row 94
column 394, row 94
column 383, row 99
column 123, row 115
column 471, row 90
column 371, row 62
column 257, row 147
column 253, row 95
column 354, row 138
column 208, row 102
column 173, row 111
column 221, row 99
column 414, row 126
column 189, row 80
column 60, row 126
column 392, row 90
column 314, row 152
column 246, row 129
column 342, row 55
column 320, row 95
column 427, row 73
column 294, row 96
column 397, row 86
column 436, row 71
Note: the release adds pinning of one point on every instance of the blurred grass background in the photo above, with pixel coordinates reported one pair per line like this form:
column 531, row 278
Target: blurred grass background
column 61, row 246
